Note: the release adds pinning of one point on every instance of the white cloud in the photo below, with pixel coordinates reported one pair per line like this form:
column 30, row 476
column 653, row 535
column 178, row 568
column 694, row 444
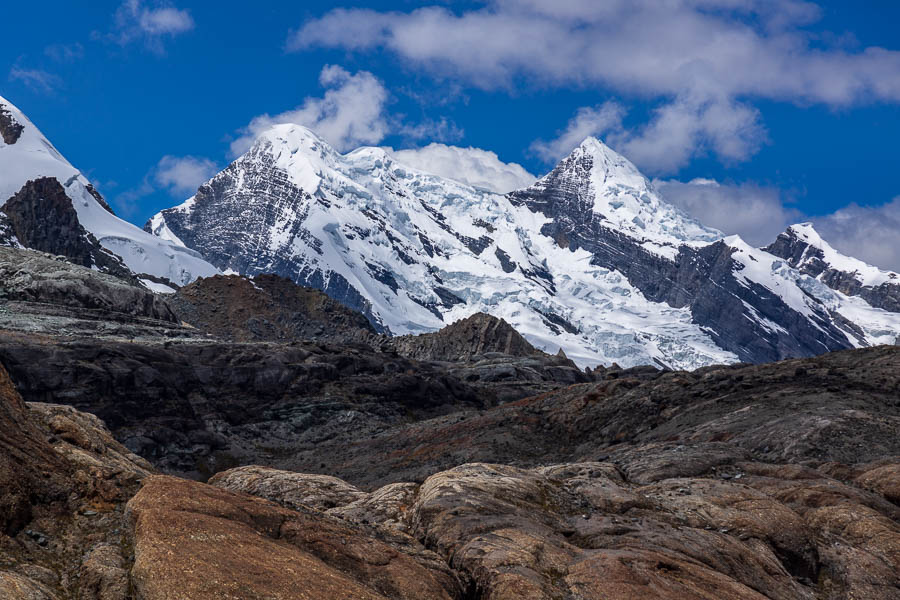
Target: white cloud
column 150, row 22
column 703, row 60
column 183, row 175
column 588, row 121
column 36, row 79
column 756, row 213
column 678, row 132
column 351, row 113
column 473, row 166
column 870, row 233
column 708, row 47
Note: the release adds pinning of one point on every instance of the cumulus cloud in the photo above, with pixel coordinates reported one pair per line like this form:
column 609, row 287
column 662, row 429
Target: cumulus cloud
column 36, row 79
column 589, row 121
column 676, row 133
column 703, row 60
column 756, row 213
column 181, row 176
column 149, row 22
column 870, row 233
column 351, row 113
column 473, row 166
column 759, row 213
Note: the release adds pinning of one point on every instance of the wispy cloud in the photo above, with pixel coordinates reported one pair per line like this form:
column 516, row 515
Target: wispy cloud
column 870, row 233
column 182, row 175
column 755, row 212
column 65, row 53
column 36, row 79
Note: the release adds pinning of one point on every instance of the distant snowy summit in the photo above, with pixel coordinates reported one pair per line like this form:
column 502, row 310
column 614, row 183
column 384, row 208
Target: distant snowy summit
column 48, row 205
column 589, row 259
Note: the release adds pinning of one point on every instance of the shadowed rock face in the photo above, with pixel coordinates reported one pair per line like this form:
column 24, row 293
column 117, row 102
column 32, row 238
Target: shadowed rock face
column 701, row 279
column 477, row 335
column 266, row 308
column 63, row 484
column 810, row 260
column 10, row 129
column 41, row 217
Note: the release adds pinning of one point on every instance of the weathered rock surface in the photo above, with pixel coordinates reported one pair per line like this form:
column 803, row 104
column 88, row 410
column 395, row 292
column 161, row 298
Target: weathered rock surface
column 63, row 484
column 461, row 341
column 266, row 308
column 44, row 279
column 588, row 530
column 197, row 541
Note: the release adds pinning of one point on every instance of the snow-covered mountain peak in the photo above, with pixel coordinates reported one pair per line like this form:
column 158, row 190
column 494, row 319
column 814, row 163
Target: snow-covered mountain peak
column 610, row 167
column 815, row 248
column 32, row 157
column 594, row 177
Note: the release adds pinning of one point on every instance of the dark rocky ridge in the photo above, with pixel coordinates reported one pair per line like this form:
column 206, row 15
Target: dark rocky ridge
column 50, row 284
column 701, row 279
column 842, row 406
column 10, row 129
column 41, row 217
column 266, row 308
column 461, row 341
column 810, row 260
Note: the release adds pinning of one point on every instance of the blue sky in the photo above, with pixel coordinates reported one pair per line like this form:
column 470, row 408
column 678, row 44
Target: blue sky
column 750, row 113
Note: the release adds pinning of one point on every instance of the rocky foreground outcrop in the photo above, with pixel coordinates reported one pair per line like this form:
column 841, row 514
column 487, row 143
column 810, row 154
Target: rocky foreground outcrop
column 64, row 482
column 702, row 514
column 586, row 530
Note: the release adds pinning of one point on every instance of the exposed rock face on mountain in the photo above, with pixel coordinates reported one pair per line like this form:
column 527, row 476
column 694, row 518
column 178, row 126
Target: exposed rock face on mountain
column 10, row 128
column 477, row 335
column 50, row 206
column 41, row 217
column 589, row 259
column 266, row 308
column 803, row 248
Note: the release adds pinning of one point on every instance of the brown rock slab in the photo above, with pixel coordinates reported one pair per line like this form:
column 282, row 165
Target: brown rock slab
column 197, row 541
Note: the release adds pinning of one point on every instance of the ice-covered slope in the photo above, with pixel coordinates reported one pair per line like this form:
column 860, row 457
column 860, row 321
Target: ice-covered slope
column 25, row 154
column 415, row 252
column 589, row 259
column 804, row 249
